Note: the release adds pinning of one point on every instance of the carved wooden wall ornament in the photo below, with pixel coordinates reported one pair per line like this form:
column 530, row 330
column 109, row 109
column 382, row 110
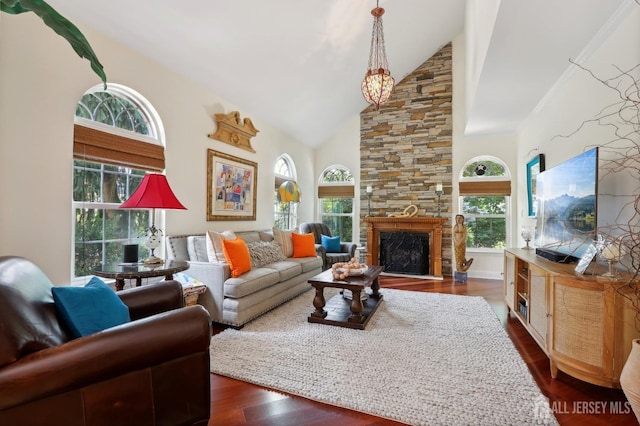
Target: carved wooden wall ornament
column 230, row 130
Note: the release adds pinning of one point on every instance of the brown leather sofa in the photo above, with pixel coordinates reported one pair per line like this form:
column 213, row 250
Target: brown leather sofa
column 153, row 370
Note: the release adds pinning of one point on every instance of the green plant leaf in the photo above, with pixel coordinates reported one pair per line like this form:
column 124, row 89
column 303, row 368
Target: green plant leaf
column 60, row 25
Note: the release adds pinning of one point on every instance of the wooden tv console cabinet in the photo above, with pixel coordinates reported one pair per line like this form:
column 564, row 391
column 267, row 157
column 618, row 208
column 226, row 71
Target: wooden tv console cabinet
column 581, row 322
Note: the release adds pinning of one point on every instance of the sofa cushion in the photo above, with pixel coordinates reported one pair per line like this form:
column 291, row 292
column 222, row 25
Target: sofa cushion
column 285, row 240
column 287, row 269
column 249, row 236
column 331, row 244
column 197, row 248
column 308, row 263
column 215, row 252
column 263, row 253
column 237, row 256
column 89, row 309
column 303, row 245
column 250, row 282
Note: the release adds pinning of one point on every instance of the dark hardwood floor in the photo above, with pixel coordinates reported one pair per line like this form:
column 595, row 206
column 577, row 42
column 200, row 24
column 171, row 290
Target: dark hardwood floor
column 574, row 402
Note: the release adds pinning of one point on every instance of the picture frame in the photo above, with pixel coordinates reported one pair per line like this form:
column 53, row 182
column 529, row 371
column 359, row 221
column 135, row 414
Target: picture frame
column 231, row 187
column 534, row 167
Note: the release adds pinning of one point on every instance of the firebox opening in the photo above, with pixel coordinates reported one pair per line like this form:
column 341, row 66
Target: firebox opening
column 404, row 252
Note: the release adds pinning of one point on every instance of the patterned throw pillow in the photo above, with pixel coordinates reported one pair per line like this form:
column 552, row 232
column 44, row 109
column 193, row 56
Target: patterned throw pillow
column 264, row 252
column 215, row 252
column 284, row 239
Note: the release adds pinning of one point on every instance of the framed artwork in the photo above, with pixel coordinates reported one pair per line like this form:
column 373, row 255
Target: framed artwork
column 534, row 167
column 231, row 187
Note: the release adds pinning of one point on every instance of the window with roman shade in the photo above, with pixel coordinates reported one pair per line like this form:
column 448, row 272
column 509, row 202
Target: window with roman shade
column 336, row 192
column 484, row 196
column 118, row 137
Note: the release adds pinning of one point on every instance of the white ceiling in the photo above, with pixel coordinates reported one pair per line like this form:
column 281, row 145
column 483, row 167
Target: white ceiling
column 298, row 64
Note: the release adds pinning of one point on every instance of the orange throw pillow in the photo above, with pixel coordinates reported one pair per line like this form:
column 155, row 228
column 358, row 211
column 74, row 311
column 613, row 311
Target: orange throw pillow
column 236, row 253
column 303, row 245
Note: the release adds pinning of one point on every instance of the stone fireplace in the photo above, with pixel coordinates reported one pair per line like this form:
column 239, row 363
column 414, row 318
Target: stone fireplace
column 406, row 148
column 431, row 227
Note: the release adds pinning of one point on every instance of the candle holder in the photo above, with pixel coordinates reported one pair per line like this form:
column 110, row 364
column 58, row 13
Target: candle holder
column 527, row 235
column 439, row 194
column 610, row 253
column 369, row 194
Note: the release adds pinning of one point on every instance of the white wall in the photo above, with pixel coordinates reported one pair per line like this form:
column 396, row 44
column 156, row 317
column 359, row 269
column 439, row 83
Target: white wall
column 41, row 80
column 486, row 264
column 342, row 149
column 579, row 97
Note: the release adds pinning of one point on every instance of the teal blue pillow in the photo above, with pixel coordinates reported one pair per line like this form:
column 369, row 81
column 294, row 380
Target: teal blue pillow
column 89, row 309
column 331, row 244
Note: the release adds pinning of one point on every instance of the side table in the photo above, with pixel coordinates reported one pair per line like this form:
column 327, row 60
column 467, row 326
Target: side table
column 138, row 271
column 192, row 292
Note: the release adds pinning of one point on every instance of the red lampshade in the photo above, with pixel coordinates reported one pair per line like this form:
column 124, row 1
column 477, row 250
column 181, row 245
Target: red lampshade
column 154, row 192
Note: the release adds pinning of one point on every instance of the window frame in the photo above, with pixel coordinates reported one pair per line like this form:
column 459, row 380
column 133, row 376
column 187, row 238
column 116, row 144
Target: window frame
column 105, row 147
column 487, row 186
column 280, row 207
column 344, row 189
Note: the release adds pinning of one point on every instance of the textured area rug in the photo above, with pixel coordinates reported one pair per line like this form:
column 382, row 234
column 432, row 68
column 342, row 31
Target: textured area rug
column 424, row 359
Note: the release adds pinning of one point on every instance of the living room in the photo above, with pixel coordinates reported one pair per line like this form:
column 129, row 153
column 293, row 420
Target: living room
column 42, row 79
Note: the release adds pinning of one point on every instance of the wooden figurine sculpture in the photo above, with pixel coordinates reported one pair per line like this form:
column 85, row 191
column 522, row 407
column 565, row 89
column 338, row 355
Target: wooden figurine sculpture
column 460, row 244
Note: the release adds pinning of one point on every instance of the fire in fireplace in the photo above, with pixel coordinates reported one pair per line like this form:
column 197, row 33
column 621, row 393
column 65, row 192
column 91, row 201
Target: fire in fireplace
column 405, row 252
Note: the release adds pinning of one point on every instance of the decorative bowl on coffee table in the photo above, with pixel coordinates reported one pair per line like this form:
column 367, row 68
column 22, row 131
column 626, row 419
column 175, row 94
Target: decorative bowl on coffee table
column 353, row 272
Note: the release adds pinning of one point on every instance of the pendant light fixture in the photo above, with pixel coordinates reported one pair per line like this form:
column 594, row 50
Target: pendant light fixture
column 378, row 83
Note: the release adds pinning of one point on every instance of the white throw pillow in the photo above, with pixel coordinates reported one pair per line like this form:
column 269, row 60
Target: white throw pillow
column 215, row 251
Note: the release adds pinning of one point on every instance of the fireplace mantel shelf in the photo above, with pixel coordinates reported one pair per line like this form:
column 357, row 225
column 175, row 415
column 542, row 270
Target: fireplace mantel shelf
column 395, row 219
column 430, row 225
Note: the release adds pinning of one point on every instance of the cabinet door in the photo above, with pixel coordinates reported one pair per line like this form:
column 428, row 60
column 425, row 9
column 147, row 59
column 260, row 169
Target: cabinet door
column 538, row 314
column 509, row 280
column 577, row 337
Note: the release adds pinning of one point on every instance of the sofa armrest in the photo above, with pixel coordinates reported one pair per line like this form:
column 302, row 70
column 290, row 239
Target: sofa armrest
column 101, row 356
column 152, row 299
column 213, row 275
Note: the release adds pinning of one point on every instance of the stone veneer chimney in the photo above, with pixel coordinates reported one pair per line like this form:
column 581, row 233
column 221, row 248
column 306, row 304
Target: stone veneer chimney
column 406, row 147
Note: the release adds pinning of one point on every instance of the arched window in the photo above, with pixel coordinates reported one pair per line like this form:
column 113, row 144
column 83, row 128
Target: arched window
column 285, row 214
column 117, row 138
column 485, row 189
column 336, row 191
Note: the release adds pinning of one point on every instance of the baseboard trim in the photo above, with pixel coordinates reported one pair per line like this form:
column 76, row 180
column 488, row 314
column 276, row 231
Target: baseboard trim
column 420, row 277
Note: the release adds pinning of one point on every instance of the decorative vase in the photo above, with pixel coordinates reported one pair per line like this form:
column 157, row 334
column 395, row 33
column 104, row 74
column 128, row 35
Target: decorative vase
column 630, row 378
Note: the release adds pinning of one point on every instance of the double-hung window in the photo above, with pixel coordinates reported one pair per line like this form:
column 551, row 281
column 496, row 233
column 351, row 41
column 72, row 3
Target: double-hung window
column 485, row 189
column 336, row 194
column 285, row 214
column 116, row 141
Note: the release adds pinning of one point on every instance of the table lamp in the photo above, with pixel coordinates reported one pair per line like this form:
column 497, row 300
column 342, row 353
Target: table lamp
column 153, row 193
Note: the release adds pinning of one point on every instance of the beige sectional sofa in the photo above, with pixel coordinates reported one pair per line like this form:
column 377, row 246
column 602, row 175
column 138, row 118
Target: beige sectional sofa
column 236, row 301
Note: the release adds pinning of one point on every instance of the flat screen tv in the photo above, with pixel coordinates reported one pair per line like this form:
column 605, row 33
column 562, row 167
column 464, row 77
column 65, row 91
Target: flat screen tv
column 567, row 206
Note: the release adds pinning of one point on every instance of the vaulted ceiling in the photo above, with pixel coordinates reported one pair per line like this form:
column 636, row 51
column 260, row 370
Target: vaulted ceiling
column 298, row 64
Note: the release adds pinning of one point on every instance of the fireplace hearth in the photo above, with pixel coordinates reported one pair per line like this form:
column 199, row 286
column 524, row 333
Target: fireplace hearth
column 404, row 252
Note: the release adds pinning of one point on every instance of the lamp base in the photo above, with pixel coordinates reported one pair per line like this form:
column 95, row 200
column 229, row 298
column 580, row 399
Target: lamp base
column 153, row 260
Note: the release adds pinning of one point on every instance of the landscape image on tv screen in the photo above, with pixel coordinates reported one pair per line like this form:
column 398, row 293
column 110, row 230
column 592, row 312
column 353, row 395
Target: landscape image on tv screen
column 567, row 197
